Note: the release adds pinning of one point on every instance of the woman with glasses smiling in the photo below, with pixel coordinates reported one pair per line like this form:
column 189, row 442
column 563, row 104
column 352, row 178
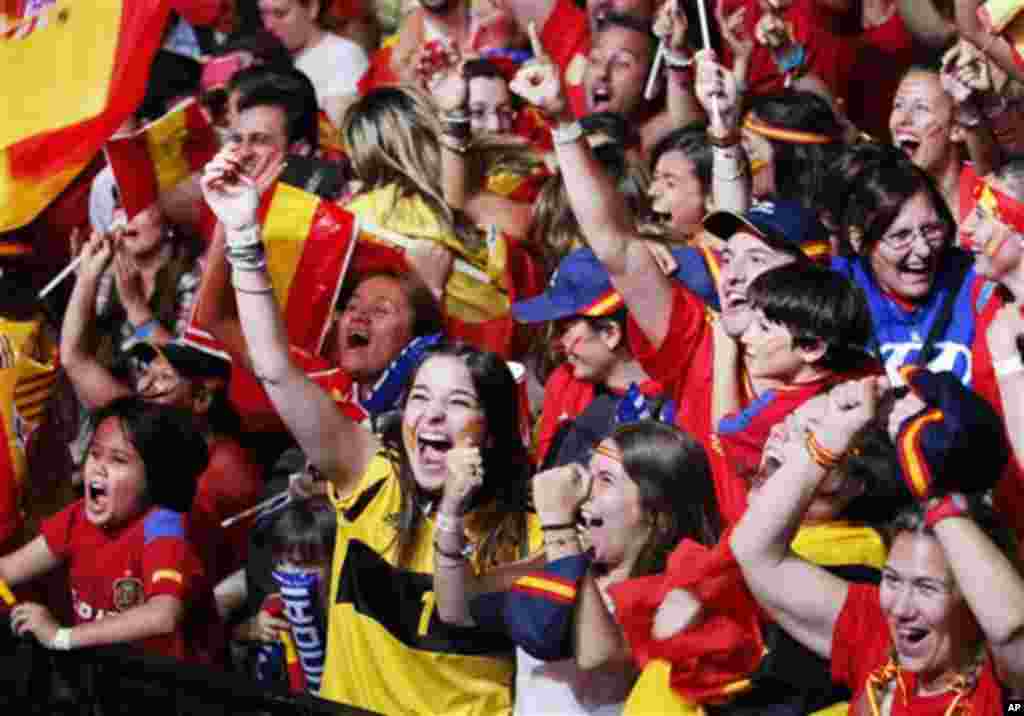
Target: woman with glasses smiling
column 896, row 242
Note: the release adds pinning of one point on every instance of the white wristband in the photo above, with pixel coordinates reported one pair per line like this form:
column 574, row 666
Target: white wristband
column 61, row 640
column 566, row 133
column 1008, row 366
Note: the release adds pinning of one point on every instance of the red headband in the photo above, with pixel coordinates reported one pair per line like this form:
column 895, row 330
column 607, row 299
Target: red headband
column 1000, row 205
column 781, row 134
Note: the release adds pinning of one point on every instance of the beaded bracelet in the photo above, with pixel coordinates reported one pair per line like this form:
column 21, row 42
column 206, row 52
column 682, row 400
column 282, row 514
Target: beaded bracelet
column 823, row 457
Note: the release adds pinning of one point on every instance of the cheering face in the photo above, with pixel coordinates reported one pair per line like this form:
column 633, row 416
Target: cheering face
column 442, row 410
column 744, row 258
column 932, row 628
column 770, row 351
column 258, row 137
column 832, row 494
column 490, row 106
column 761, row 155
column 617, row 525
column 144, row 235
column 677, row 196
column 586, row 351
column 290, row 22
column 373, row 328
column 921, row 121
column 996, row 246
column 616, row 71
column 158, row 382
column 114, row 477
column 905, row 260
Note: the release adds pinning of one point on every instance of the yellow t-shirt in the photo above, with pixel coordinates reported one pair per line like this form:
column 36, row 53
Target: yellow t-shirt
column 387, row 649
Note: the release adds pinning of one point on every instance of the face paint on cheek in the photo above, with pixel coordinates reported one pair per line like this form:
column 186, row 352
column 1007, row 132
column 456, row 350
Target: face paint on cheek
column 570, row 350
column 471, row 433
column 408, row 435
column 993, row 245
column 609, row 452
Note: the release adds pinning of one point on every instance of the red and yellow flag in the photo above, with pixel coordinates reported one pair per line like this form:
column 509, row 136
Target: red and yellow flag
column 160, row 155
column 74, row 71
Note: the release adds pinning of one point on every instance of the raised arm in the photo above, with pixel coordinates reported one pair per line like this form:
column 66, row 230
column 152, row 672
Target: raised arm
column 338, row 446
column 94, row 384
column 1003, row 333
column 803, row 598
column 994, row 590
column 995, row 46
column 925, row 23
column 602, row 212
column 670, row 26
column 718, row 92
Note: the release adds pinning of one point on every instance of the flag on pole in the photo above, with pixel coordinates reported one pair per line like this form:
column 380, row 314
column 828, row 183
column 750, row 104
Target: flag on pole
column 74, row 71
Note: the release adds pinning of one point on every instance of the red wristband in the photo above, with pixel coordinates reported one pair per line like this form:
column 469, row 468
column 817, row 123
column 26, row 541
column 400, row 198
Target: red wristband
column 953, row 504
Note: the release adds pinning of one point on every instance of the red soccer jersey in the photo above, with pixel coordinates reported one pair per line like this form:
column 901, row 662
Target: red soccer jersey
column 862, row 643
column 111, row 571
column 564, row 399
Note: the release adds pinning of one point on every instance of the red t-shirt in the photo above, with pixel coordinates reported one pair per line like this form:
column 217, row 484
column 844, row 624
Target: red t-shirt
column 565, row 398
column 684, row 363
column 230, row 484
column 862, row 643
column 111, row 571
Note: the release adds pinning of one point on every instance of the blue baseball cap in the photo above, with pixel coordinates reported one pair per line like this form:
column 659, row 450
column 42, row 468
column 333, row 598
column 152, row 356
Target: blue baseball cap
column 580, row 286
column 782, row 224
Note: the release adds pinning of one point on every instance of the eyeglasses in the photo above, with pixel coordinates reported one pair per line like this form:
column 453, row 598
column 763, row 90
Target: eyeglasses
column 934, row 236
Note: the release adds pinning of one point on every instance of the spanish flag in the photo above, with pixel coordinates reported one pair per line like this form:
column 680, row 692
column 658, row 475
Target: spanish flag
column 309, row 244
column 159, row 156
column 74, row 71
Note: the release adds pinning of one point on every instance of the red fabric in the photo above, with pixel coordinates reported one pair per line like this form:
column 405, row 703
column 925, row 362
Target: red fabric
column 1009, row 492
column 139, row 37
column 828, row 56
column 230, row 484
column 884, row 53
column 862, row 642
column 723, row 647
column 347, row 9
column 274, row 606
column 566, row 37
column 684, row 363
column 201, row 12
column 967, row 190
column 100, row 560
column 505, row 336
column 564, row 399
column 379, row 73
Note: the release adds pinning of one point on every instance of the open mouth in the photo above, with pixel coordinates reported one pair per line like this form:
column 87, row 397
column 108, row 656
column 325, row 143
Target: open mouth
column 97, row 493
column 433, row 448
column 908, row 640
column 907, row 145
column 734, row 302
column 600, row 96
column 357, row 339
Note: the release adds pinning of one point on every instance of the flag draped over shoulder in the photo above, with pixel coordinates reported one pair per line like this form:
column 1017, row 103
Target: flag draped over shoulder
column 28, row 372
column 162, row 154
column 73, row 72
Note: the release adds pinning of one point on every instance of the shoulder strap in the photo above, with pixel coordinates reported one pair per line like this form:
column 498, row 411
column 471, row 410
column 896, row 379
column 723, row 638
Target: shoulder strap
column 944, row 316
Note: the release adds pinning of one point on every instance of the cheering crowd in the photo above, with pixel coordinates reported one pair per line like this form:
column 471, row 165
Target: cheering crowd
column 548, row 357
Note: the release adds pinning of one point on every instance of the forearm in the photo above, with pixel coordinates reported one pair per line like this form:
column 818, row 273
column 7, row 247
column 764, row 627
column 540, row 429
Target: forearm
column 78, row 321
column 335, row 444
column 683, row 106
column 454, row 581
column 730, row 179
column 158, row 616
column 601, row 210
column 454, row 183
column 991, row 585
column 231, row 594
column 995, row 46
column 599, row 640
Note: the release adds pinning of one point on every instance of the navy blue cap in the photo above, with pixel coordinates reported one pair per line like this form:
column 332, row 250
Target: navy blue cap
column 579, row 287
column 782, row 224
column 188, row 360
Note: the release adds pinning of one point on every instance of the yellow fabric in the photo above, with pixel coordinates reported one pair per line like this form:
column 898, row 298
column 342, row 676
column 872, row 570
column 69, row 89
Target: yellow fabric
column 166, row 139
column 477, row 288
column 284, row 234
column 21, row 200
column 840, row 709
column 81, row 39
column 652, row 694
column 368, row 664
column 28, row 370
column 835, row 543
